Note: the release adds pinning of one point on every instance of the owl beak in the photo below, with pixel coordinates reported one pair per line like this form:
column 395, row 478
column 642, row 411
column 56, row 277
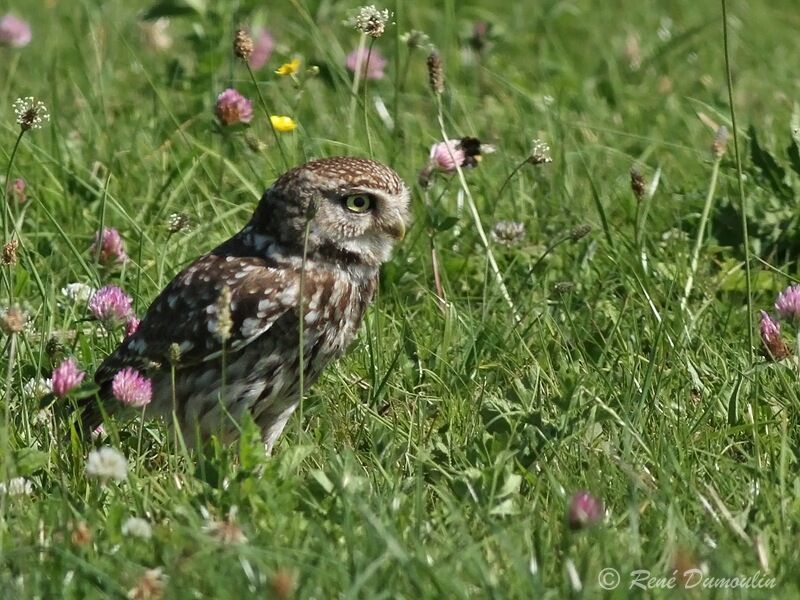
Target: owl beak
column 396, row 229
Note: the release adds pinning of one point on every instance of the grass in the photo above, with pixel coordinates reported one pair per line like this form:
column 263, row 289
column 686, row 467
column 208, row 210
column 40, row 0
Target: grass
column 437, row 459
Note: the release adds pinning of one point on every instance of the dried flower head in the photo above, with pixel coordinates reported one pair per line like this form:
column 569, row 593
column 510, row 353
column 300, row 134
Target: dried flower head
column 540, row 153
column 132, row 388
column 30, row 113
column 638, row 183
column 137, row 527
column 107, row 463
column 579, row 232
column 774, row 348
column 108, row 247
column 81, row 534
column 9, row 256
column 371, row 21
column 282, row 123
column 283, row 584
column 226, row 532
column 788, row 303
column 66, row 377
column 12, row 320
column 222, row 309
column 264, row 46
column 14, row 32
column 174, row 353
column 16, row 191
column 720, row 142
column 111, row 305
column 289, row 68
column 584, row 510
column 155, row 34
column 508, row 233
column 370, row 62
column 435, row 72
column 17, row 486
column 564, row 287
column 233, row 108
column 416, row 39
column 150, row 586
column 243, row 45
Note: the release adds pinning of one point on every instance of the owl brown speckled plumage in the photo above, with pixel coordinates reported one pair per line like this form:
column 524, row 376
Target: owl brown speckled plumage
column 349, row 212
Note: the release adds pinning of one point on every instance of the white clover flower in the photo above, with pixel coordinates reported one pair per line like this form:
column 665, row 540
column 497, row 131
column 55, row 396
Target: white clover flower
column 37, row 388
column 18, row 486
column 78, row 292
column 137, row 527
column 107, row 463
column 30, row 113
column 371, row 21
column 540, row 153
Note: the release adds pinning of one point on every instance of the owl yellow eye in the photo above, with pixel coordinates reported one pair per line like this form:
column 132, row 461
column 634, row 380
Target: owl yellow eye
column 358, row 203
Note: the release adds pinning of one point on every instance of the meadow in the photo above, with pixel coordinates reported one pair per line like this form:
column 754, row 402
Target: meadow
column 565, row 375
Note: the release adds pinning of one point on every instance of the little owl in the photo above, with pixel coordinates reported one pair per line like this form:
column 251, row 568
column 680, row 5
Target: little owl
column 227, row 328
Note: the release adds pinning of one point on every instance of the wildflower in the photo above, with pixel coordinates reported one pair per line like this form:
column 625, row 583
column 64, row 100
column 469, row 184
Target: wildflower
column 446, row 155
column 16, row 191
column 178, row 222
column 435, row 72
column 415, row 39
column 13, row 320
column 371, row 61
column 78, row 292
column 150, row 586
column 37, row 388
column 66, row 377
column 233, row 108
column 788, row 303
column 81, row 534
column 773, row 345
column 283, row 584
column 371, row 21
column 584, row 510
column 283, row 123
column 508, row 233
column 638, row 183
column 111, row 305
column 289, row 68
column 14, row 32
column 227, row 532
column 98, row 432
column 480, row 39
column 155, row 34
column 540, row 153
column 131, row 326
column 137, row 527
column 9, row 256
column 579, row 232
column 132, row 388
column 262, row 51
column 108, row 246
column 243, row 45
column 18, row 486
column 30, row 113
column 720, row 142
column 564, row 287
column 107, row 463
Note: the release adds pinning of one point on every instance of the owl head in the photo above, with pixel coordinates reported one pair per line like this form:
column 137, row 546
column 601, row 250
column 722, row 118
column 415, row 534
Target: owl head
column 343, row 208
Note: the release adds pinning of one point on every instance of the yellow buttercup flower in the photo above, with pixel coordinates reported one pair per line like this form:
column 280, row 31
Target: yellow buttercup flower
column 289, row 68
column 283, row 123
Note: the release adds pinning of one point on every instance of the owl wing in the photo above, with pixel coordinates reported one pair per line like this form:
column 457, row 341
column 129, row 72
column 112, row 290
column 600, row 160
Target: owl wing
column 186, row 314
